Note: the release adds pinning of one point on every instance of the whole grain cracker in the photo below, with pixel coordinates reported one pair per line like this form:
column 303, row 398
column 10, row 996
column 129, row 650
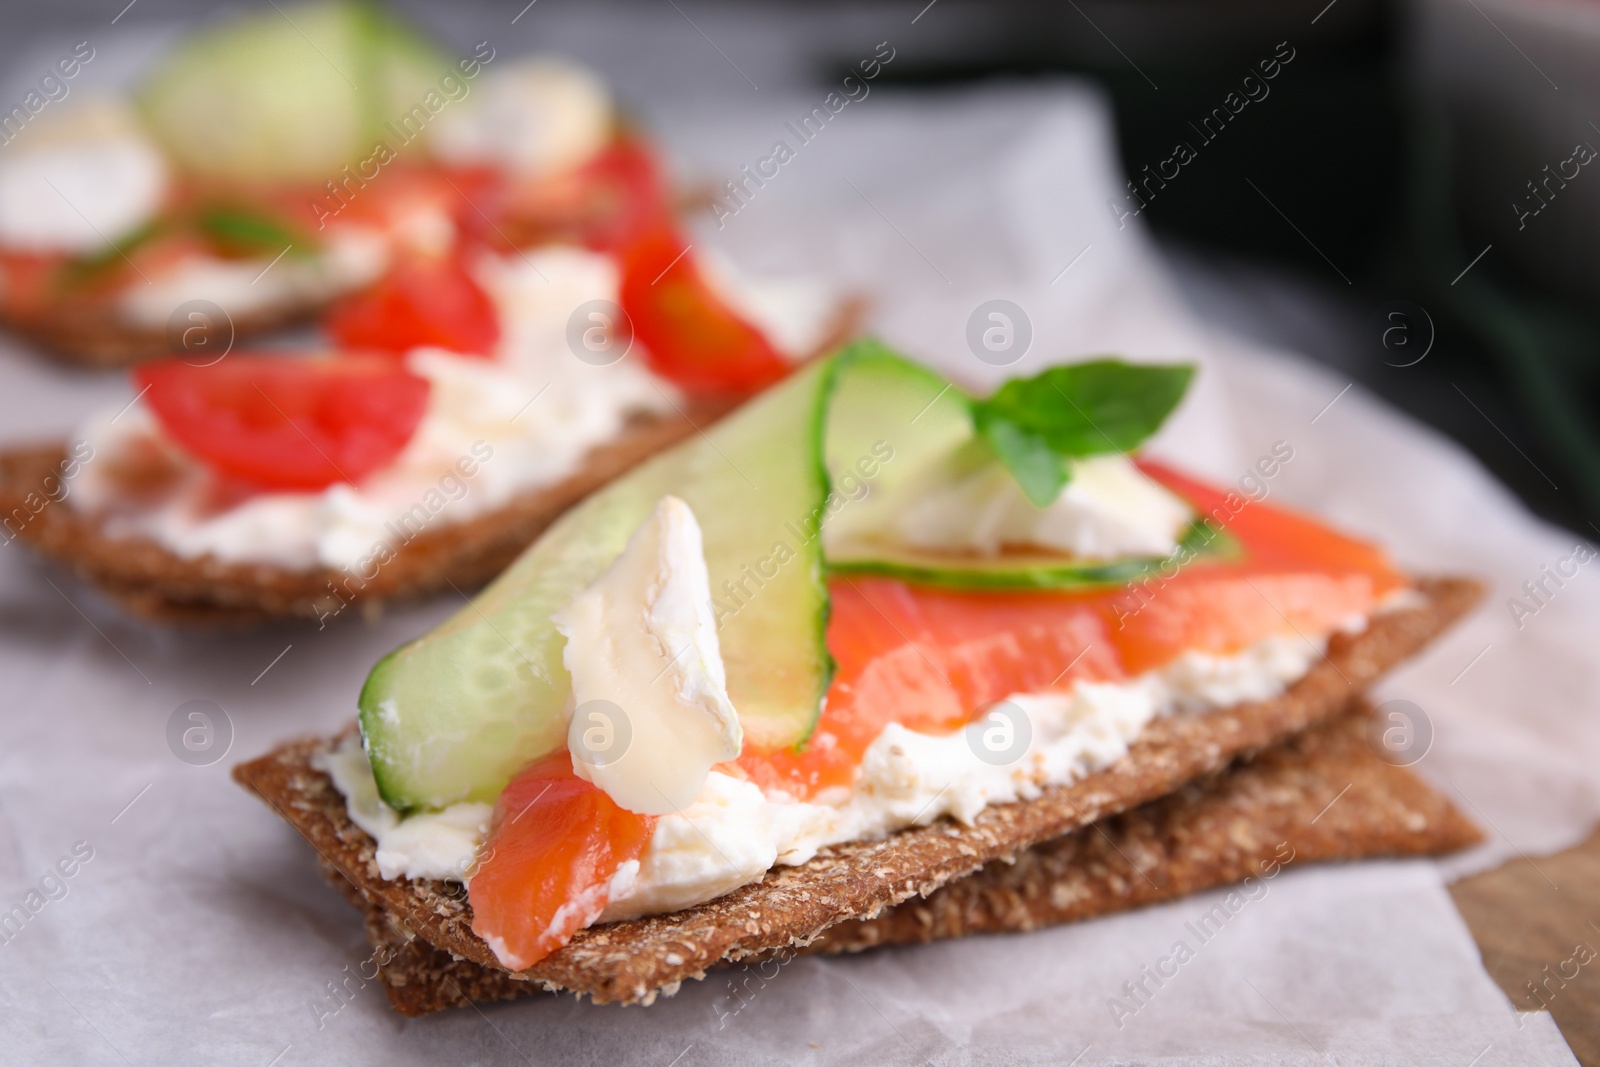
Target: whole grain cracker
column 155, row 583
column 91, row 331
column 791, row 907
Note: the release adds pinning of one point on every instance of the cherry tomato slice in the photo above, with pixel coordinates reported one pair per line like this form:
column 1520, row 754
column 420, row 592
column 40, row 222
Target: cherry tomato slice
column 285, row 423
column 421, row 301
column 625, row 195
column 605, row 203
column 690, row 335
column 555, row 842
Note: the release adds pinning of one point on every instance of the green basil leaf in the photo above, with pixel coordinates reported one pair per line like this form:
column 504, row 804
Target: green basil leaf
column 242, row 232
column 1086, row 409
column 1039, row 469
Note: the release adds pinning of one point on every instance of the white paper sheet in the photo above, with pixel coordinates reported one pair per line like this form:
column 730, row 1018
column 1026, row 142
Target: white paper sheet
column 200, row 932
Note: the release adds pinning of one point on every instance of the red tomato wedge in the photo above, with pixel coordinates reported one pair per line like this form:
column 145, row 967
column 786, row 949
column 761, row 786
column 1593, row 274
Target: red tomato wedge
column 932, row 659
column 422, row 301
column 624, row 194
column 554, row 844
column 690, row 335
column 284, row 423
column 604, row 203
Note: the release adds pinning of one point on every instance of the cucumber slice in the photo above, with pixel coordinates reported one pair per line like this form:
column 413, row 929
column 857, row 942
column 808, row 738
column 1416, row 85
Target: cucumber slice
column 904, row 416
column 820, row 458
column 453, row 715
column 289, row 94
column 1025, row 570
column 882, row 400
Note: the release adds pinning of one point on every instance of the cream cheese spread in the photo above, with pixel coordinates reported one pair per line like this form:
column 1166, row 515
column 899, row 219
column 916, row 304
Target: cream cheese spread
column 349, row 259
column 734, row 832
column 430, row 844
column 1108, row 510
column 522, row 420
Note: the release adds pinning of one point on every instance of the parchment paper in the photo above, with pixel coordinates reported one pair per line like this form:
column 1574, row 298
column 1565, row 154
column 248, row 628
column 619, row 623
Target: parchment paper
column 200, row 932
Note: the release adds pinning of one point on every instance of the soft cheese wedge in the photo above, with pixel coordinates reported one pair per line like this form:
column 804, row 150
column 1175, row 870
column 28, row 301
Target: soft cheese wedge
column 650, row 696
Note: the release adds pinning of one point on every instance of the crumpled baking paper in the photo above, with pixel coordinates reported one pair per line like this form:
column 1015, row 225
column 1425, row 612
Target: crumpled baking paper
column 194, row 927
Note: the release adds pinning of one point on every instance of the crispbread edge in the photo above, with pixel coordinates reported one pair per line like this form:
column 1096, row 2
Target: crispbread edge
column 792, row 906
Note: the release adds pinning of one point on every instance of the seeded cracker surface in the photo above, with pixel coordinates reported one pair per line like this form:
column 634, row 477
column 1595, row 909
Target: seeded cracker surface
column 792, row 907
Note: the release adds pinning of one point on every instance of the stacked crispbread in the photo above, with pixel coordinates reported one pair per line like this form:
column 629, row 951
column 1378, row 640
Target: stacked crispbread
column 1199, row 800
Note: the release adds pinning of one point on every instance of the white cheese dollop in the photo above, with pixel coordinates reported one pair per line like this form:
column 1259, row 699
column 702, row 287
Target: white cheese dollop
column 536, row 116
column 728, row 837
column 1108, row 510
column 78, row 180
column 650, row 695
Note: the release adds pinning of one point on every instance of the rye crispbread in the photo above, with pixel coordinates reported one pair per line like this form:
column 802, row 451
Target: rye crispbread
column 792, row 906
column 1322, row 795
column 156, row 583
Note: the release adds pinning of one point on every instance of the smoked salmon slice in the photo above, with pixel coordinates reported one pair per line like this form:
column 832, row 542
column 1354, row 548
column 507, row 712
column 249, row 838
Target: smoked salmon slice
column 545, row 871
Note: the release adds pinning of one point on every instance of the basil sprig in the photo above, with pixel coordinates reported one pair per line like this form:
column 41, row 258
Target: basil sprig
column 1037, row 425
column 242, row 231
